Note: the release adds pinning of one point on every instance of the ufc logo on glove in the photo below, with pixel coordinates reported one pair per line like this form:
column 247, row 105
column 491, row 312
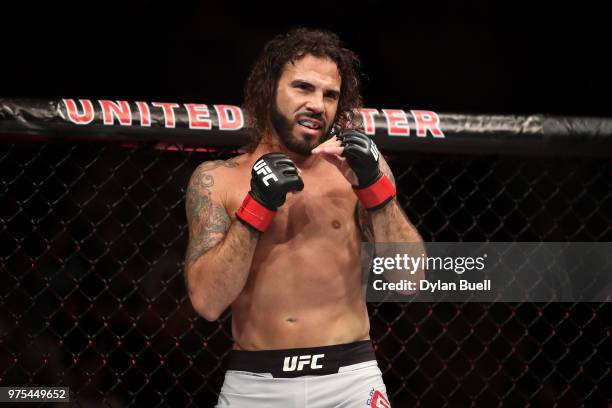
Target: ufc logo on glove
column 261, row 168
column 298, row 362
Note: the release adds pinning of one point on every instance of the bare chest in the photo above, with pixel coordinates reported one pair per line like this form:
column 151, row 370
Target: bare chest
column 325, row 206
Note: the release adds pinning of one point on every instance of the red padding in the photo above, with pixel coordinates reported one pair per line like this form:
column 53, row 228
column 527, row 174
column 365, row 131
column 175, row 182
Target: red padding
column 376, row 195
column 255, row 214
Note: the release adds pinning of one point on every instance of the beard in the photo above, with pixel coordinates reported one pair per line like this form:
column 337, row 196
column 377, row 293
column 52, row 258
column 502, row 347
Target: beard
column 284, row 130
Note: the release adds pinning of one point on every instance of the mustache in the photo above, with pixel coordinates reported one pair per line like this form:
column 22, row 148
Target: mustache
column 318, row 116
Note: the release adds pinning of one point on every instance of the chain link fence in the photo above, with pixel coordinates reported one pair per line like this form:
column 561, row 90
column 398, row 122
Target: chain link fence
column 92, row 293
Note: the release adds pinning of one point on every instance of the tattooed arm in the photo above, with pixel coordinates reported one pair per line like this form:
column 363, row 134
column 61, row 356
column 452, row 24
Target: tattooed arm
column 220, row 250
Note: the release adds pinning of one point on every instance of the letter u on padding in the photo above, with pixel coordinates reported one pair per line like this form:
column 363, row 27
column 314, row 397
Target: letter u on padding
column 290, row 363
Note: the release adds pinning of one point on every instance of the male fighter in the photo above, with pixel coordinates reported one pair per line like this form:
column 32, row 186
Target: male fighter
column 275, row 233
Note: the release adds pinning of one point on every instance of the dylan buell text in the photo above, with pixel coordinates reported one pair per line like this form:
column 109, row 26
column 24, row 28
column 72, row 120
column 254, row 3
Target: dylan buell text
column 432, row 286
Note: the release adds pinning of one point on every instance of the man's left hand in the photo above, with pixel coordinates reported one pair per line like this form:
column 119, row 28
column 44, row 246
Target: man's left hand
column 357, row 158
column 355, row 155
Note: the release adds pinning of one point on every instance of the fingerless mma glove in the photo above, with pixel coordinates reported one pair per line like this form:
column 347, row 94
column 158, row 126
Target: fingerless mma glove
column 272, row 177
column 374, row 189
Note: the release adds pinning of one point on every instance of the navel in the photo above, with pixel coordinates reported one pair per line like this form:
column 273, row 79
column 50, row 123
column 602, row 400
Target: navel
column 336, row 224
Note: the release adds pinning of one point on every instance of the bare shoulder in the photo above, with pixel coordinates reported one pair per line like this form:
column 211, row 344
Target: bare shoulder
column 218, row 166
column 214, row 175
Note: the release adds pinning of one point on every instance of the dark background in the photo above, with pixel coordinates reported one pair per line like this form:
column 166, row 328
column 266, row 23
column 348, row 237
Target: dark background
column 469, row 56
column 104, row 226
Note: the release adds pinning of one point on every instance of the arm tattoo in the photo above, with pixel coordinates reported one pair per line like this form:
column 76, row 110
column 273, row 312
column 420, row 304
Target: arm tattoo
column 207, row 220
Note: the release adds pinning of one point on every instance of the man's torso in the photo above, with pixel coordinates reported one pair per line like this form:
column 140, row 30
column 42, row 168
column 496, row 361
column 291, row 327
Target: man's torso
column 304, row 286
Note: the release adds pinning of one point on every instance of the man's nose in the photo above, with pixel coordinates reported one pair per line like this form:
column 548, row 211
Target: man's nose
column 315, row 103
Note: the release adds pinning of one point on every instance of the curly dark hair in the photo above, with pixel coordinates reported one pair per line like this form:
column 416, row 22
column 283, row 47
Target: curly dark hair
column 260, row 86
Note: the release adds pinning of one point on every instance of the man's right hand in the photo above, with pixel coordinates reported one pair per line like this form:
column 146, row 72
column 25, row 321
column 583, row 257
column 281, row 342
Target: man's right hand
column 272, row 177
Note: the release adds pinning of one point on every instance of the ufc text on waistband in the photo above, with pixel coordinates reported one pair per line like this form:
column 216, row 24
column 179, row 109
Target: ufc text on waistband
column 292, row 363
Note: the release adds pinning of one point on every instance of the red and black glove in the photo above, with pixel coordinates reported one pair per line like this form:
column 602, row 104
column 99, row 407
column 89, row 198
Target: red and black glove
column 272, row 177
column 374, row 189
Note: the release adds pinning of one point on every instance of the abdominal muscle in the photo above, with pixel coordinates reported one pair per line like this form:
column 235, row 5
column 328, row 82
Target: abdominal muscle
column 304, row 287
column 312, row 327
column 304, row 292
